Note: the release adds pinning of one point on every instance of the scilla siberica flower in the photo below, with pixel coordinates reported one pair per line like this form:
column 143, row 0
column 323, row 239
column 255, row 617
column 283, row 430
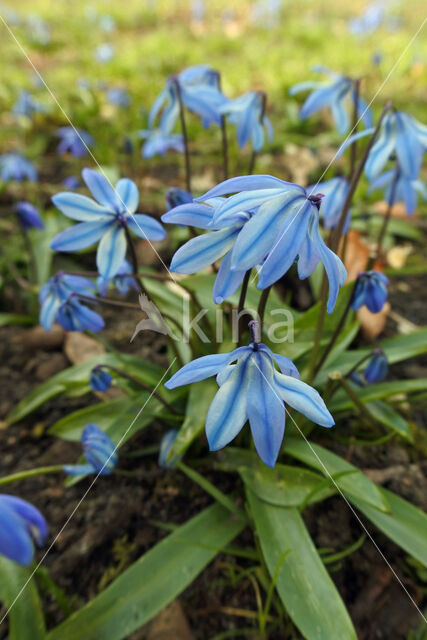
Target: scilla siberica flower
column 165, row 446
column 56, row 291
column 100, row 453
column 118, row 97
column 124, row 280
column 158, row 143
column 27, row 105
column 13, row 166
column 405, row 189
column 104, row 219
column 334, row 193
column 176, row 196
column 284, row 225
column 399, row 134
column 247, row 113
column 337, row 94
column 74, row 316
column 100, row 379
column 252, row 389
column 377, row 367
column 371, row 290
column 21, row 524
column 200, row 93
column 74, row 141
column 28, row 215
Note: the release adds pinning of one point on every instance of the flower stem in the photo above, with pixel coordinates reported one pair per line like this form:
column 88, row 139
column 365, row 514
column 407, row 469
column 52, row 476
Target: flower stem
column 109, row 301
column 319, row 328
column 389, row 210
column 141, row 384
column 262, row 304
column 241, row 304
column 337, row 232
column 353, row 148
column 22, row 475
column 362, row 408
column 184, row 135
column 134, row 259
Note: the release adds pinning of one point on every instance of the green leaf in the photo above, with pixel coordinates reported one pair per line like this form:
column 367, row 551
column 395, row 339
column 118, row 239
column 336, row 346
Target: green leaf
column 78, row 377
column 199, row 400
column 387, row 416
column 154, row 580
column 355, row 484
column 7, row 319
column 26, row 620
column 304, row 585
column 341, row 401
column 40, row 242
column 406, row 525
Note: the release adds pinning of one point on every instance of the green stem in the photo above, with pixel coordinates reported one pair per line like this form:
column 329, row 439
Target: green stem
column 134, row 259
column 30, row 473
column 261, row 306
column 362, row 408
column 241, row 304
column 353, row 148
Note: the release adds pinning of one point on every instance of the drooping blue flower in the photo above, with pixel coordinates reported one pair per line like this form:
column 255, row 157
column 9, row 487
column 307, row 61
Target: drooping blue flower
column 205, row 249
column 200, row 94
column 100, row 453
column 158, row 144
column 252, row 389
column 27, row 105
column 334, row 193
column 124, row 280
column 100, row 379
column 165, row 447
column 338, row 94
column 104, row 52
column 71, row 182
column 405, row 190
column 13, row 166
column 371, row 290
column 104, row 219
column 72, row 315
column 21, row 524
column 282, row 224
column 247, row 113
column 399, row 134
column 74, row 141
column 29, row 215
column 176, row 196
column 118, row 97
column 377, row 367
column 56, row 291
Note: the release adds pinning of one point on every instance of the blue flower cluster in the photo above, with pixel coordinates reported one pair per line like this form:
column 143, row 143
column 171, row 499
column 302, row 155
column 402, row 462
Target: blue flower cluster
column 99, row 451
column 21, row 525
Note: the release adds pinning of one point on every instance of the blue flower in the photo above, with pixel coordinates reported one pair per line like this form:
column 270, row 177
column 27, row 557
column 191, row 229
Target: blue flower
column 100, row 379
column 205, row 249
column 124, row 280
column 176, row 196
column 75, row 141
column 377, row 367
column 104, row 219
column 56, row 291
column 252, row 389
column 104, row 52
column 200, row 93
column 71, row 182
column 100, row 453
column 72, row 315
column 247, row 113
column 282, row 224
column 406, row 190
column 13, row 166
column 158, row 144
column 29, row 215
column 21, row 524
column 118, row 97
column 371, row 290
column 399, row 134
column 334, row 193
column 165, row 447
column 27, row 105
column 338, row 94
column 369, row 21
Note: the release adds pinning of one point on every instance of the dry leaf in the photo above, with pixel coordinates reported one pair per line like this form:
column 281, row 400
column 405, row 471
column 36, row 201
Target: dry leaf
column 170, row 623
column 372, row 324
column 78, row 347
column 397, row 256
column 398, row 210
column 356, row 254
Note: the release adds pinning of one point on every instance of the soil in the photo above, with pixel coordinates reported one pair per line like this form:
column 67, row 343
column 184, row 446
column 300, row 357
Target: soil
column 114, row 525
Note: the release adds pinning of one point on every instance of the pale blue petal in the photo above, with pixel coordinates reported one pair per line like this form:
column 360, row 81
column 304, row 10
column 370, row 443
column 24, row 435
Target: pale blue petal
column 303, row 86
column 303, row 398
column 321, row 97
column 81, row 235
column 145, row 227
column 128, row 195
column 204, row 367
column 349, row 141
column 48, row 311
column 76, row 470
column 78, row 207
column 246, row 183
column 382, row 149
column 335, row 270
column 226, row 281
column 193, row 214
column 111, row 252
column 409, row 150
column 101, row 189
column 364, row 112
column 248, row 200
column 340, row 116
column 199, row 252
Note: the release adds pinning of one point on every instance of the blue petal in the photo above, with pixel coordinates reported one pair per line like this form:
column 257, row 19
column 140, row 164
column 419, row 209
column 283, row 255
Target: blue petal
column 127, row 193
column 308, row 85
column 286, row 365
column 321, row 97
column 335, row 270
column 192, row 214
column 111, row 252
column 101, row 189
column 245, row 183
column 409, row 151
column 265, row 410
column 15, row 540
column 364, row 112
column 78, row 469
column 226, row 281
column 81, row 235
column 248, row 201
column 32, row 518
column 340, row 116
column 349, row 141
column 78, row 207
column 303, row 398
column 382, row 148
column 146, row 227
column 308, row 258
column 204, row 367
column 227, row 413
column 198, row 253
column 48, row 311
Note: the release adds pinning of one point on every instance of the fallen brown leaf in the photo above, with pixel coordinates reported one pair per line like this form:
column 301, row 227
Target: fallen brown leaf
column 170, row 623
column 78, row 347
column 372, row 324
